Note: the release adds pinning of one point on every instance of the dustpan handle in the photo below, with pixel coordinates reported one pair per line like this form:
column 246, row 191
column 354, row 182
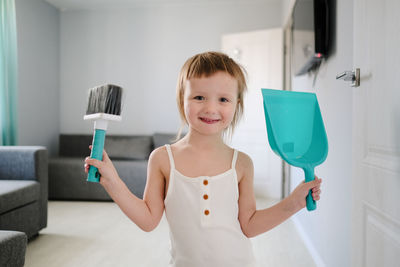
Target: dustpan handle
column 309, row 176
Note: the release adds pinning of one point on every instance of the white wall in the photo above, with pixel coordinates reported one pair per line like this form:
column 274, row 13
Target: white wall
column 142, row 49
column 38, row 73
column 327, row 230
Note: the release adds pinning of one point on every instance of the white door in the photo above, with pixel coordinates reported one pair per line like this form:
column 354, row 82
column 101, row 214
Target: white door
column 261, row 53
column 376, row 134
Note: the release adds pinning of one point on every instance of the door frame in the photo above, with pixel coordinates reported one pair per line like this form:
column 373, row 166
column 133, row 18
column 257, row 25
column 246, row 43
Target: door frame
column 287, row 85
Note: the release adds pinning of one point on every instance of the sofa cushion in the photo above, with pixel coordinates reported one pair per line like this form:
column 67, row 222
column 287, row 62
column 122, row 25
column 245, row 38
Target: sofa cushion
column 75, row 145
column 67, row 179
column 14, row 194
column 128, row 147
column 21, row 162
column 160, row 139
column 134, row 175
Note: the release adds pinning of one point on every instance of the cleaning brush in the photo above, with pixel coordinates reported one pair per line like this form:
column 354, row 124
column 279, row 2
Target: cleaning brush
column 104, row 104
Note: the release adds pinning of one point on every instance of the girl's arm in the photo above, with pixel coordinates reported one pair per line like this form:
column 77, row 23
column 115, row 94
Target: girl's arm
column 255, row 222
column 146, row 213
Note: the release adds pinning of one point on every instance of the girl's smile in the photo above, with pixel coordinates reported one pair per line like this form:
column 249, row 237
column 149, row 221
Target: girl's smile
column 209, row 121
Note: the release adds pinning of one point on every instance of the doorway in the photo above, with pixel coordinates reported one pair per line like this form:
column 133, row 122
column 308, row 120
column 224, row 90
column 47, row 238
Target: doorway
column 261, row 54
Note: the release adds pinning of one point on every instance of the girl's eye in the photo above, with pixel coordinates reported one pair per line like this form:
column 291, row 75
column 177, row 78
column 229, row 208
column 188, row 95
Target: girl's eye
column 199, row 97
column 223, row 99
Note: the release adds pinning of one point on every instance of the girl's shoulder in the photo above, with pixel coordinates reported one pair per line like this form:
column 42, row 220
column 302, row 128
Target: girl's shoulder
column 243, row 158
column 159, row 153
column 244, row 164
column 159, row 159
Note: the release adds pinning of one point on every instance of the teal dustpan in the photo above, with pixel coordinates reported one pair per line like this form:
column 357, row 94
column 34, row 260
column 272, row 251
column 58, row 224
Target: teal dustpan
column 296, row 131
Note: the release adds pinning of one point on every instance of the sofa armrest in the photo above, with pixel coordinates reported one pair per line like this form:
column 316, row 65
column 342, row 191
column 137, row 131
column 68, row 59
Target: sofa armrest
column 27, row 163
column 23, row 163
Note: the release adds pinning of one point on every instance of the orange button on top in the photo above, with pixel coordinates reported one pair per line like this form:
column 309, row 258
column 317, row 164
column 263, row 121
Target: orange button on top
column 205, row 182
column 205, row 196
column 206, row 212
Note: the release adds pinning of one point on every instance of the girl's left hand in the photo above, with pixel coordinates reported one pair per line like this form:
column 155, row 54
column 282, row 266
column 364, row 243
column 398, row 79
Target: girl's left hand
column 299, row 194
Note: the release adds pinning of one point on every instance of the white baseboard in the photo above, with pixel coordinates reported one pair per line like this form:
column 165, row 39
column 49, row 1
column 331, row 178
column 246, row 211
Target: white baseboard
column 309, row 245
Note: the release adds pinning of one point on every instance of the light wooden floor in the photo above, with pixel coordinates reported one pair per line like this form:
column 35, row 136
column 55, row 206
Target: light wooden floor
column 98, row 234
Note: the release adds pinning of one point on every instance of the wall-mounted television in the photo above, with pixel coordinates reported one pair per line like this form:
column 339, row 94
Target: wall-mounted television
column 311, row 34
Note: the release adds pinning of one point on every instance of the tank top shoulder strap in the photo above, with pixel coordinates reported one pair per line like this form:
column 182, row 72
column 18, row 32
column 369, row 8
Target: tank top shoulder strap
column 235, row 154
column 171, row 158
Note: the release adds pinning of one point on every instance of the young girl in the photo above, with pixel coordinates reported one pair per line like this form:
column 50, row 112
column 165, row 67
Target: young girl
column 205, row 186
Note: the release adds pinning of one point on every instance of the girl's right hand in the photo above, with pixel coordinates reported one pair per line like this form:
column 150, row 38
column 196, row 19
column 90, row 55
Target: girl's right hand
column 108, row 173
column 300, row 193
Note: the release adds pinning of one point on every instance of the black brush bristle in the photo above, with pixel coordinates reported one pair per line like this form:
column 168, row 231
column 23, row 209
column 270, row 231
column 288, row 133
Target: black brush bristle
column 105, row 99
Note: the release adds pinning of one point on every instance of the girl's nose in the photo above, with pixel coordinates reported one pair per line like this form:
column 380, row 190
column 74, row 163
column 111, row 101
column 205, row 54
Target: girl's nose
column 210, row 107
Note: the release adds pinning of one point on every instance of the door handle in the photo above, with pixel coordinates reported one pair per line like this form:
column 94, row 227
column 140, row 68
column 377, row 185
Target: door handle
column 353, row 76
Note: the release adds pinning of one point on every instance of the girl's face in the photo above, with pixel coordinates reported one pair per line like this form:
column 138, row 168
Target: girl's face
column 210, row 102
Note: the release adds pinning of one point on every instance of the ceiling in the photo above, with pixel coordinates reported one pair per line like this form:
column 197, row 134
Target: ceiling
column 101, row 4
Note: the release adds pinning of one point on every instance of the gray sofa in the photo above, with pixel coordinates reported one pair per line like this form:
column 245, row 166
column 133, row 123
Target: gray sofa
column 12, row 248
column 23, row 189
column 67, row 179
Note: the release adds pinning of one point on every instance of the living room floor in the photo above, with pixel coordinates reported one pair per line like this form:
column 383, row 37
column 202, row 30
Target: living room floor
column 99, row 234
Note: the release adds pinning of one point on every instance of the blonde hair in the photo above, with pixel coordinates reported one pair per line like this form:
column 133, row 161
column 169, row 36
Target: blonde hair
column 207, row 64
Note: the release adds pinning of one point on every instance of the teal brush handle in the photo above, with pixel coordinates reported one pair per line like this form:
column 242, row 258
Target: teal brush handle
column 309, row 176
column 97, row 153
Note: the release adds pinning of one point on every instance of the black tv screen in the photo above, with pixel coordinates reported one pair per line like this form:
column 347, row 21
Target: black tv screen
column 311, row 34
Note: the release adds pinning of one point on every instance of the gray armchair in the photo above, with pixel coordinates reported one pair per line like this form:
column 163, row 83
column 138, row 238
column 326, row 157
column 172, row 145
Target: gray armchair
column 23, row 188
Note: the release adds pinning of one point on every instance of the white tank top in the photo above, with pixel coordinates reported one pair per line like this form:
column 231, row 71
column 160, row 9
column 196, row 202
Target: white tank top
column 202, row 214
